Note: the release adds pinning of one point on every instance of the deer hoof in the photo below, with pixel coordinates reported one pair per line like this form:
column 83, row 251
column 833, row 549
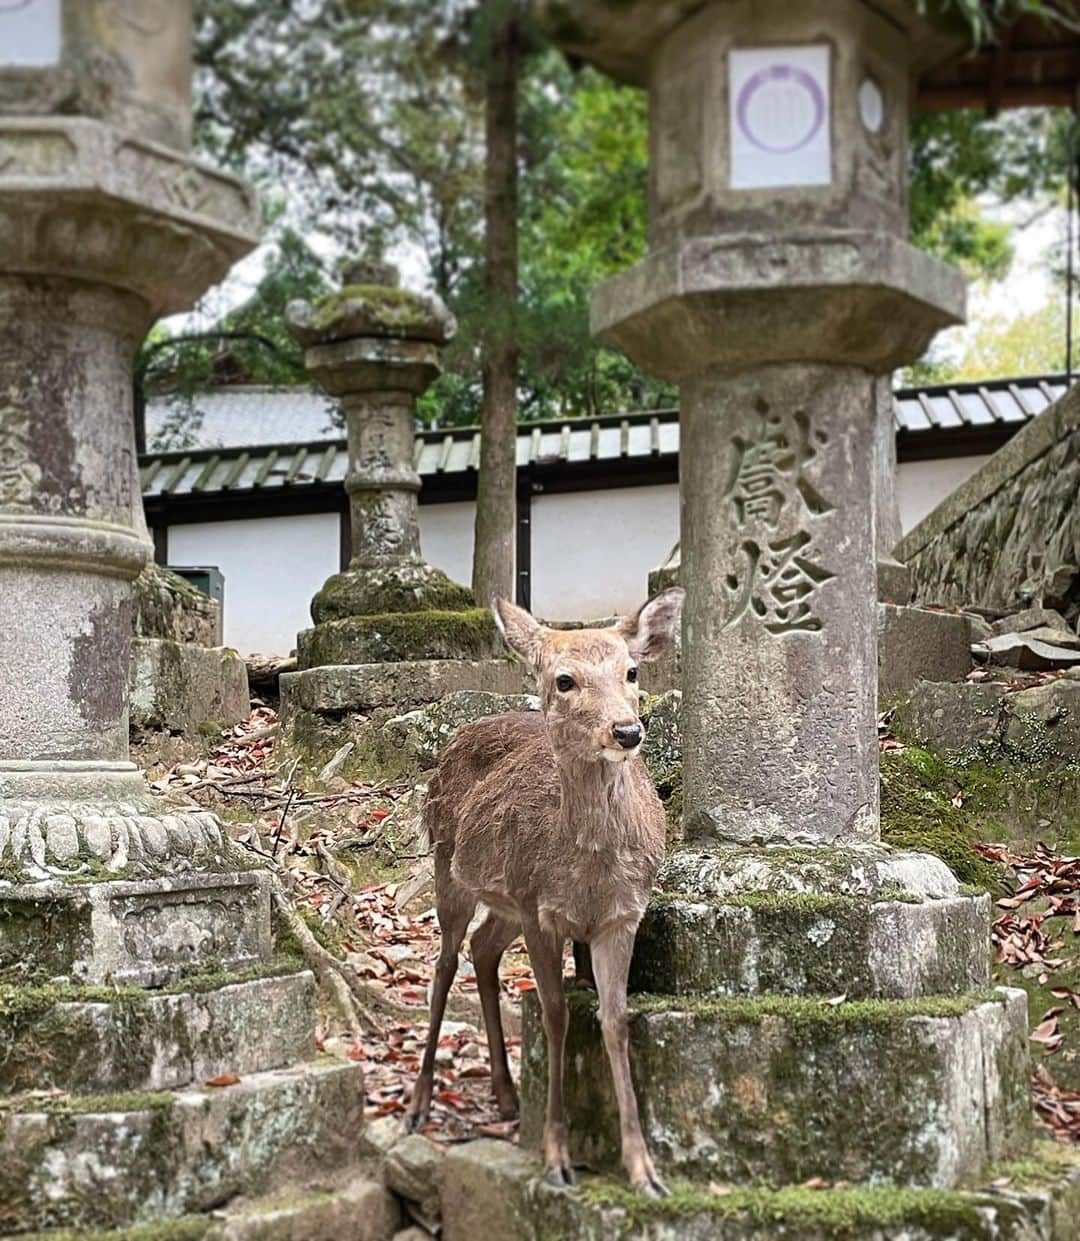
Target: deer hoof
column 413, row 1122
column 562, row 1176
column 653, row 1187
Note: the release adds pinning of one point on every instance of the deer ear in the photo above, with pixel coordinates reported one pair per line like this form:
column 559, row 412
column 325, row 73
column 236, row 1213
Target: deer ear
column 650, row 631
column 523, row 635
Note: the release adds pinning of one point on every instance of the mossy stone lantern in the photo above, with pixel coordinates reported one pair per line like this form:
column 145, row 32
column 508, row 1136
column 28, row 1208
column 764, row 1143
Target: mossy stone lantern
column 375, row 346
column 106, row 223
column 779, row 288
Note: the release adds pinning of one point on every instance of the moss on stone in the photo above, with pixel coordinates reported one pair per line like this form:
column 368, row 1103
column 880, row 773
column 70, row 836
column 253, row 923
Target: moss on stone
column 93, row 1104
column 849, row 1212
column 393, row 637
column 919, row 812
column 394, row 310
column 187, row 1228
column 376, row 592
column 803, row 1010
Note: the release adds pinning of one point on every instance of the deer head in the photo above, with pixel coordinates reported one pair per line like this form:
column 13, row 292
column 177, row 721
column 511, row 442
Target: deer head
column 588, row 678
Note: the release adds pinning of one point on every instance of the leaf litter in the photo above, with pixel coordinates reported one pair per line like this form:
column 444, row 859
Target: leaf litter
column 1038, row 926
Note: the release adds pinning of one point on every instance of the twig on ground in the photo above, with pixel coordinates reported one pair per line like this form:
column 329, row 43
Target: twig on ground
column 330, row 971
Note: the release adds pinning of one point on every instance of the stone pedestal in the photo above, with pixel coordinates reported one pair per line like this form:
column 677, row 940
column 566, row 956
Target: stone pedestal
column 810, row 1003
column 389, row 618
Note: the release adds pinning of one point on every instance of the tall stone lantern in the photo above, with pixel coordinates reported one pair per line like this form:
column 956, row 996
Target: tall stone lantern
column 106, row 223
column 778, row 288
column 391, row 630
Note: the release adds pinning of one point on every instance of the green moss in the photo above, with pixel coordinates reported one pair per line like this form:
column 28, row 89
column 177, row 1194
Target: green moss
column 189, row 1228
column 782, row 902
column 393, row 637
column 802, row 1010
column 281, row 965
column 853, row 1212
column 918, row 812
column 94, row 1104
column 376, row 592
column 394, row 310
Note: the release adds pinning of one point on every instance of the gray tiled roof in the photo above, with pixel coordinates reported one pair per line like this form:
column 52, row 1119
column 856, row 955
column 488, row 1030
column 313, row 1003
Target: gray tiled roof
column 264, row 438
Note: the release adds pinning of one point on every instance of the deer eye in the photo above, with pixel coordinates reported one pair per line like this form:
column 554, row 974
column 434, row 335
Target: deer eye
column 564, row 683
column 631, row 674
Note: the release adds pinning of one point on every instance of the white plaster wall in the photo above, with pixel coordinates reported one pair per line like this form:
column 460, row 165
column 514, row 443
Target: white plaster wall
column 446, row 538
column 922, row 485
column 592, row 551
column 272, row 567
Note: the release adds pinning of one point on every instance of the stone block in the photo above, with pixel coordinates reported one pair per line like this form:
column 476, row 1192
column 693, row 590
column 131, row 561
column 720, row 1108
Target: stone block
column 894, row 581
column 1027, row 653
column 715, row 872
column 398, row 636
column 1036, row 725
column 167, row 606
column 396, row 588
column 362, row 688
column 362, row 1211
column 953, row 718
column 100, row 823
column 1029, row 618
column 780, row 1090
column 179, row 688
column 1043, row 722
column 800, row 944
column 95, row 1162
column 412, row 742
column 143, row 933
column 84, row 1039
column 413, row 1169
column 916, row 644
column 492, row 1189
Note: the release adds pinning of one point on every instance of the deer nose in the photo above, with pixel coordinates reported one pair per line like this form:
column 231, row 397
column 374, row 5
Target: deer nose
column 627, row 735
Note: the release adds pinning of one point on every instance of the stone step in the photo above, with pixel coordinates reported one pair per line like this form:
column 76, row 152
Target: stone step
column 494, row 1190
column 87, row 1162
column 97, row 1039
column 805, row 943
column 146, row 933
column 782, row 1089
column 361, row 1211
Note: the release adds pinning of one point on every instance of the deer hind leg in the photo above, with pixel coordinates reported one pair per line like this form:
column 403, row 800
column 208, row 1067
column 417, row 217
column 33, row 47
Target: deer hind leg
column 455, row 905
column 490, row 940
column 611, row 953
column 545, row 952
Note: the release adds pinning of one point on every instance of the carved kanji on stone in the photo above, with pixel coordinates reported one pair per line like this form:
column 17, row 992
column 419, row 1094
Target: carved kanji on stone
column 777, row 586
column 769, row 468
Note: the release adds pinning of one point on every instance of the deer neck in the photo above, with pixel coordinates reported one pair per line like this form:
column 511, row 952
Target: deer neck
column 596, row 803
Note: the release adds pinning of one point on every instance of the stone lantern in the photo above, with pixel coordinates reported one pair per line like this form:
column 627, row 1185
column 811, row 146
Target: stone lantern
column 390, row 630
column 778, row 288
column 107, row 224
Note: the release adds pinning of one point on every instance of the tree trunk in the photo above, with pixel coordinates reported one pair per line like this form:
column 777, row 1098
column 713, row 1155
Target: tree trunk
column 493, row 552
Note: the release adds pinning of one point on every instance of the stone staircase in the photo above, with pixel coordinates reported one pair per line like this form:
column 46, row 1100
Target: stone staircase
column 195, row 1106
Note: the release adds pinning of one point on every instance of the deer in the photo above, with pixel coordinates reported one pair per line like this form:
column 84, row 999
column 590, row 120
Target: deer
column 551, row 822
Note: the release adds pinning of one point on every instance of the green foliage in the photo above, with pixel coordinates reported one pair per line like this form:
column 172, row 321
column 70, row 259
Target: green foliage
column 248, row 344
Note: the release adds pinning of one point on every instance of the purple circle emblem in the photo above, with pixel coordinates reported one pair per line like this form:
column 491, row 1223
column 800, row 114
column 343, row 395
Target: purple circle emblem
column 773, row 76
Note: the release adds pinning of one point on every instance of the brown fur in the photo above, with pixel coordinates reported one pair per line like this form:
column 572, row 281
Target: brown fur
column 557, row 829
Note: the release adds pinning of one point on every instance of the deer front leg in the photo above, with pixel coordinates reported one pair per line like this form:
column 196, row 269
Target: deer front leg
column 545, row 953
column 611, row 952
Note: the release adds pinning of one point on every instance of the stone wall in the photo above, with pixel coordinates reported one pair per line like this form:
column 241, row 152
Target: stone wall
column 1011, row 533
